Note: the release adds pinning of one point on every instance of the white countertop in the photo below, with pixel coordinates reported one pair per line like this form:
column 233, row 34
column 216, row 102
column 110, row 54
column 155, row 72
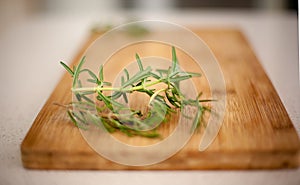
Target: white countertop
column 31, row 49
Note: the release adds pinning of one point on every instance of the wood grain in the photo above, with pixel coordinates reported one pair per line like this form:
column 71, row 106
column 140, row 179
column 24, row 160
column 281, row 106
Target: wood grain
column 256, row 132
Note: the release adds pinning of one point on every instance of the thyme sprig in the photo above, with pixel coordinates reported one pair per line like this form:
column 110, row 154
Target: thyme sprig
column 117, row 116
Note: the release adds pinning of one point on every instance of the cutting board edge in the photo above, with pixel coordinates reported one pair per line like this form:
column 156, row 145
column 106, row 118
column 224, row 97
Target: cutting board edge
column 76, row 166
column 266, row 160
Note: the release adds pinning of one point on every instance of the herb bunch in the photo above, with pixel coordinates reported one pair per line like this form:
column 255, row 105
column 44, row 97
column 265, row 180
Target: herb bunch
column 116, row 116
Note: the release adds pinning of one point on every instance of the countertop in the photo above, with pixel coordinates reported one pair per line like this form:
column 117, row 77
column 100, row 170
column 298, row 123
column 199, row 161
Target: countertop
column 30, row 51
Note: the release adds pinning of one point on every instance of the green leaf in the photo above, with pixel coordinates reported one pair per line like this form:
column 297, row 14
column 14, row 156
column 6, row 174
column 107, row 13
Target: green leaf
column 164, row 71
column 194, row 74
column 72, row 118
column 149, row 134
column 172, row 100
column 199, row 95
column 196, row 121
column 67, row 68
column 137, row 77
column 109, row 102
column 87, row 99
column 149, row 92
column 122, row 80
column 80, row 117
column 79, row 83
column 92, row 81
column 174, row 60
column 178, row 92
column 107, row 126
column 155, row 76
column 107, row 83
column 180, row 78
column 94, row 77
column 126, row 73
column 77, row 71
column 106, row 100
column 101, row 78
column 116, row 95
column 125, row 97
column 175, row 95
column 78, row 97
column 139, row 62
column 84, row 106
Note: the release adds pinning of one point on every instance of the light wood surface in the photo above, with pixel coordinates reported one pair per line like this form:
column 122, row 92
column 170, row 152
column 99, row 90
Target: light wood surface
column 256, row 132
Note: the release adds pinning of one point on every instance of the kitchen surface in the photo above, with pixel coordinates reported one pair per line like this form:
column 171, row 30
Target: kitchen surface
column 31, row 47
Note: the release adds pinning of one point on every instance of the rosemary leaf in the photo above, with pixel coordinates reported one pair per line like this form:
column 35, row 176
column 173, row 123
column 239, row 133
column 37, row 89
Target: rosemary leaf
column 67, row 68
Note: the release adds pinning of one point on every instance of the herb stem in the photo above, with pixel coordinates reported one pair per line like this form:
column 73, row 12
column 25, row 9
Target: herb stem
column 119, row 89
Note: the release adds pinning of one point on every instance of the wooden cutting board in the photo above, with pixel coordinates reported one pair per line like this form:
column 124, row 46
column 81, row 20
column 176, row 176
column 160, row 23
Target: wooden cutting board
column 257, row 132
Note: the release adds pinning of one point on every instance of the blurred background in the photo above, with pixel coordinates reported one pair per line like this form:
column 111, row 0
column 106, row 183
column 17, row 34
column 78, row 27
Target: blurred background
column 16, row 10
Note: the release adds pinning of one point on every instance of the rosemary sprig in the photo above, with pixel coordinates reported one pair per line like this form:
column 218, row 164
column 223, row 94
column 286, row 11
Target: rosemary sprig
column 116, row 116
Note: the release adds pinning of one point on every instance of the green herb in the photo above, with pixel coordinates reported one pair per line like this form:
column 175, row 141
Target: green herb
column 116, row 116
